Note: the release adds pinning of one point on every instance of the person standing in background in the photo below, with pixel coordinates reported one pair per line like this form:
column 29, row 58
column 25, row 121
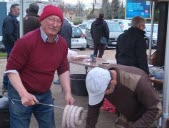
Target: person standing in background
column 131, row 46
column 99, row 28
column 31, row 20
column 10, row 33
column 31, row 68
column 66, row 32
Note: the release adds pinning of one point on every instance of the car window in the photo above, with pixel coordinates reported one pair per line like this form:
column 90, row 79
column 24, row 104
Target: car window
column 88, row 26
column 82, row 26
column 114, row 27
column 76, row 32
column 148, row 28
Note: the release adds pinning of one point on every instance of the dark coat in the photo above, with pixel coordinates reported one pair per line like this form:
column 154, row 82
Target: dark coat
column 66, row 32
column 99, row 28
column 131, row 49
column 10, row 30
column 30, row 22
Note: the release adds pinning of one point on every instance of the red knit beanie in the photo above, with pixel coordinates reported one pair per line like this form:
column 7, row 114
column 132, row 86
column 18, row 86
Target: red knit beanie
column 51, row 10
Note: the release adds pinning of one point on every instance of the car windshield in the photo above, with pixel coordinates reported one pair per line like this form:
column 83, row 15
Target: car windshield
column 114, row 27
column 76, row 32
column 148, row 28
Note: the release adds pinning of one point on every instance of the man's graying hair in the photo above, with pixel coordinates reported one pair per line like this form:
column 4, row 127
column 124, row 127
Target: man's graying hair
column 13, row 6
column 137, row 21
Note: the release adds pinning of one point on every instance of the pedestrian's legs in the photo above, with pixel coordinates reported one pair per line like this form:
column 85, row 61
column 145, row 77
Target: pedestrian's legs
column 96, row 47
column 44, row 114
column 19, row 114
column 5, row 77
column 101, row 50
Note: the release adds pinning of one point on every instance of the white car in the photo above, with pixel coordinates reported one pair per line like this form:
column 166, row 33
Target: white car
column 78, row 38
column 124, row 23
column 83, row 27
column 148, row 34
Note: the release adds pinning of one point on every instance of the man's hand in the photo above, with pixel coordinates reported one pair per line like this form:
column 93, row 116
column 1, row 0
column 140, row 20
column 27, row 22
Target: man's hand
column 28, row 99
column 69, row 99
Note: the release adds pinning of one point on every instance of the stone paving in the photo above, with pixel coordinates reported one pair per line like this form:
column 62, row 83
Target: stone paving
column 106, row 119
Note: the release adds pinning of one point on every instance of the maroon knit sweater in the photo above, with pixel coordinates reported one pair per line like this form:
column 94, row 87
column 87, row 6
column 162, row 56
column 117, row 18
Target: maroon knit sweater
column 37, row 61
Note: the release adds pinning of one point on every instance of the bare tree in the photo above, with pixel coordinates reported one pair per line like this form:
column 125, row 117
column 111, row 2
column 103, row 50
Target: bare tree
column 106, row 9
column 115, row 5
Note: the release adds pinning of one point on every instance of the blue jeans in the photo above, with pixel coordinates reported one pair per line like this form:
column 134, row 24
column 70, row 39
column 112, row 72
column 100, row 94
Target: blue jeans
column 20, row 115
column 5, row 78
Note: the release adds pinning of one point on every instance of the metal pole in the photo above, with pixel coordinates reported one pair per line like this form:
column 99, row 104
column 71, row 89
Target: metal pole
column 166, row 80
column 21, row 19
column 151, row 34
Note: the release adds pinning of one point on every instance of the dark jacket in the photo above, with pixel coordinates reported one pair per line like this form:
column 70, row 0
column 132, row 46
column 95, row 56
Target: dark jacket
column 131, row 49
column 99, row 28
column 10, row 30
column 30, row 22
column 66, row 32
column 134, row 97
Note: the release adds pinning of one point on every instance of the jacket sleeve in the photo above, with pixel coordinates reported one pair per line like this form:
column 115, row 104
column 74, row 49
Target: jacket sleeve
column 92, row 115
column 9, row 29
column 141, row 55
column 106, row 29
column 150, row 99
column 91, row 30
column 117, row 49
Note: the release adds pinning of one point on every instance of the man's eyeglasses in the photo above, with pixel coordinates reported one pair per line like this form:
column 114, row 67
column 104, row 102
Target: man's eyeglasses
column 52, row 21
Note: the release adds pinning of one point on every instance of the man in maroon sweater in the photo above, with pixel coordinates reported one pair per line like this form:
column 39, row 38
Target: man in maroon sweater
column 31, row 67
column 129, row 90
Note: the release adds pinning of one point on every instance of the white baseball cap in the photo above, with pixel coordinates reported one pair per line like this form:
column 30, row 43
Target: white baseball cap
column 97, row 80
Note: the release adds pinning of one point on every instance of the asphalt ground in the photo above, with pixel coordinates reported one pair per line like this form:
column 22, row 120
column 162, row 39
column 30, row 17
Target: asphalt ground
column 105, row 120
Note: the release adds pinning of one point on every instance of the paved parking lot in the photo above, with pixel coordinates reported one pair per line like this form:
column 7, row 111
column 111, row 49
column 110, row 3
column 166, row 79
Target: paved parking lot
column 105, row 120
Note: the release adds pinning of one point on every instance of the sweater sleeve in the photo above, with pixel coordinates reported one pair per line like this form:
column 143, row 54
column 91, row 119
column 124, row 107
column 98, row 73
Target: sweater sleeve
column 150, row 99
column 18, row 56
column 92, row 115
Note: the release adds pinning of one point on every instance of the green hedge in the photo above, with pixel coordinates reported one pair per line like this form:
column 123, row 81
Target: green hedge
column 3, row 55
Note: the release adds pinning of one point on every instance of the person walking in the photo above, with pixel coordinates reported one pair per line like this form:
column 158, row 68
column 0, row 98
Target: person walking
column 131, row 46
column 31, row 20
column 10, row 33
column 31, row 68
column 129, row 89
column 99, row 30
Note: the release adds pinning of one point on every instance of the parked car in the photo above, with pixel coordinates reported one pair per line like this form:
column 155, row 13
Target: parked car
column 83, row 27
column 78, row 38
column 148, row 34
column 68, row 21
column 124, row 23
column 2, row 48
column 114, row 31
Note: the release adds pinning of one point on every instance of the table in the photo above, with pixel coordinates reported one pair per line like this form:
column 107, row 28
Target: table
column 91, row 64
column 158, row 81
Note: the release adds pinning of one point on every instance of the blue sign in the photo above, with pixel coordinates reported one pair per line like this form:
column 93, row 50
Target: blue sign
column 138, row 8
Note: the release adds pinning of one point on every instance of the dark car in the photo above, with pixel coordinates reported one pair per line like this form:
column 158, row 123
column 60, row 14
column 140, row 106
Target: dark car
column 114, row 31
